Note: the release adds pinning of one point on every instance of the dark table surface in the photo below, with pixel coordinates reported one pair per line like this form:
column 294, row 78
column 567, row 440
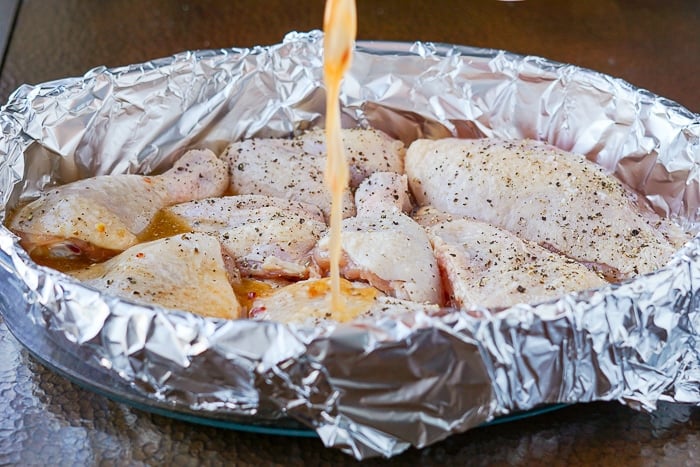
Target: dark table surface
column 44, row 419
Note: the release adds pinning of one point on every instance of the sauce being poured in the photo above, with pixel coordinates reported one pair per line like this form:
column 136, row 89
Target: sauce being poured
column 340, row 29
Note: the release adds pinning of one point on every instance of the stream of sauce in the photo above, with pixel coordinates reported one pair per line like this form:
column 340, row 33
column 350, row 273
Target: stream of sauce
column 340, row 29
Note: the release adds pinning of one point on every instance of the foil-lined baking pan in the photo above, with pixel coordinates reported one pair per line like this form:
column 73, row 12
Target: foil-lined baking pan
column 375, row 386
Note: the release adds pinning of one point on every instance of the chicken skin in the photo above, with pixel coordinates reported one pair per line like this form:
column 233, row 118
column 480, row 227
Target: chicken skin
column 309, row 303
column 185, row 272
column 384, row 246
column 485, row 266
column 556, row 199
column 100, row 216
column 266, row 237
column 294, row 168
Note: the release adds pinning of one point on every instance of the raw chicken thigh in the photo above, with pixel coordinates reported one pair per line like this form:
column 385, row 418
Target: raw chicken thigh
column 367, row 151
column 267, row 237
column 384, row 246
column 485, row 266
column 542, row 194
column 100, row 216
column 294, row 168
column 383, row 191
column 308, row 302
column 185, row 271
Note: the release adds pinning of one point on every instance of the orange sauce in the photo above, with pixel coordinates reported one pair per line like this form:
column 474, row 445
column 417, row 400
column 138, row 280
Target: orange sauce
column 163, row 225
column 321, row 287
column 247, row 290
column 62, row 264
column 356, row 300
column 340, row 29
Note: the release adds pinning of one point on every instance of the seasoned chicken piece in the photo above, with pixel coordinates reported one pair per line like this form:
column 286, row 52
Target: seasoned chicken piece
column 266, row 236
column 382, row 191
column 185, row 271
column 366, row 150
column 543, row 194
column 309, row 302
column 100, row 216
column 294, row 168
column 384, row 246
column 485, row 266
column 428, row 216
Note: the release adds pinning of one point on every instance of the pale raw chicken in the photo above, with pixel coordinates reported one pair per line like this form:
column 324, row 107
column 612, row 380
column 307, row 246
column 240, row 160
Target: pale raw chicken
column 267, row 237
column 384, row 246
column 485, row 266
column 428, row 216
column 367, row 151
column 557, row 199
column 383, row 191
column 100, row 216
column 309, row 303
column 185, row 272
column 294, row 168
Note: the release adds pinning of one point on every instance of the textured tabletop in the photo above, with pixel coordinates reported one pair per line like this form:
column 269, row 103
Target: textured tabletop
column 45, row 419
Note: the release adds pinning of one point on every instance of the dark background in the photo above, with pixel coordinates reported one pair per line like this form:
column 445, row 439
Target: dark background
column 652, row 44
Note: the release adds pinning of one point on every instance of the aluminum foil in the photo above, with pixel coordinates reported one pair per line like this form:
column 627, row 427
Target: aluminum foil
column 378, row 386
